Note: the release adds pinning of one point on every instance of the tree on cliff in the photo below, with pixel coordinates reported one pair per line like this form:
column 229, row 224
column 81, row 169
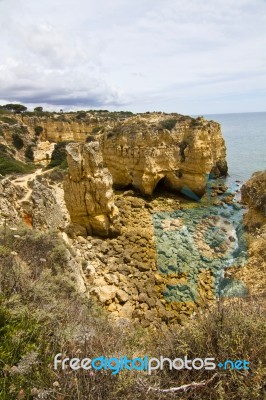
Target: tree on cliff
column 38, row 109
column 16, row 108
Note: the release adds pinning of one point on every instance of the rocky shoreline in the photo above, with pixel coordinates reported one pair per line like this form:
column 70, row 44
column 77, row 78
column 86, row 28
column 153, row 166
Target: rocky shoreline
column 122, row 272
column 147, row 254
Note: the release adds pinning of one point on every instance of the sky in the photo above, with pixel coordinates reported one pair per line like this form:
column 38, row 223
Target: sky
column 189, row 56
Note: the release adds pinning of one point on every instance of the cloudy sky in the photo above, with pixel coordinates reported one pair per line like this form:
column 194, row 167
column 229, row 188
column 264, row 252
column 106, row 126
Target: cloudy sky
column 189, row 56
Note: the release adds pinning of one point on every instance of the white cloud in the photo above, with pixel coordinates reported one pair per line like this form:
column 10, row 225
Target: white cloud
column 189, row 57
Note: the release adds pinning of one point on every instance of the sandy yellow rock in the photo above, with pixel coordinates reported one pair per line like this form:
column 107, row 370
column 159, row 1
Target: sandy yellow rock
column 141, row 153
column 88, row 190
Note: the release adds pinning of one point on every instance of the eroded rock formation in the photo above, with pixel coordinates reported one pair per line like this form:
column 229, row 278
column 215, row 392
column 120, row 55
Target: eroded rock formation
column 61, row 127
column 45, row 210
column 34, row 201
column 43, row 152
column 10, row 196
column 141, row 151
column 253, row 193
column 88, row 191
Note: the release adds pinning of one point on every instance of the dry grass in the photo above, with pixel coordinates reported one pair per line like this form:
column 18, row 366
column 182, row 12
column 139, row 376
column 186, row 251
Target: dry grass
column 41, row 315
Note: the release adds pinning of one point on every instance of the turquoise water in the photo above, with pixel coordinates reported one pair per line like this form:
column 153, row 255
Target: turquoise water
column 245, row 137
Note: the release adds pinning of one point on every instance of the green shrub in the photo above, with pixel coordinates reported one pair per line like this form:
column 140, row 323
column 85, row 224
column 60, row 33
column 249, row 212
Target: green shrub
column 41, row 314
column 38, row 130
column 44, row 315
column 90, row 138
column 64, row 164
column 8, row 165
column 81, row 115
column 168, row 123
column 233, row 331
column 25, row 327
column 59, row 155
column 3, row 148
column 29, row 154
column 38, row 113
column 7, row 150
column 195, row 122
column 8, row 120
column 96, row 129
column 17, row 141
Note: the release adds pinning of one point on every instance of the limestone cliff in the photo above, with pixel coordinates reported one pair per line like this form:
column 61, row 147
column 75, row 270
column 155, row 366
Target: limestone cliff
column 253, row 193
column 16, row 139
column 10, row 195
column 22, row 135
column 181, row 151
column 34, row 200
column 141, row 150
column 43, row 152
column 63, row 127
column 88, row 191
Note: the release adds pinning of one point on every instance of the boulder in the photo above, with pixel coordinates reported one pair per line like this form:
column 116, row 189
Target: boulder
column 105, row 293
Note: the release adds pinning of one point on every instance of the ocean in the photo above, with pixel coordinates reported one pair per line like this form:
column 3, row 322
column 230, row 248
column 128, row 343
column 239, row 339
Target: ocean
column 245, row 138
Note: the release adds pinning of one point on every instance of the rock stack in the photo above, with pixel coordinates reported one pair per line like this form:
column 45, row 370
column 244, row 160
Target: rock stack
column 89, row 193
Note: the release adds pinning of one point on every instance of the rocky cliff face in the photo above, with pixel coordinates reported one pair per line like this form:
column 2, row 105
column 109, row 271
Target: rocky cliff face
column 10, row 195
column 33, row 200
column 62, row 127
column 122, row 270
column 43, row 152
column 141, row 151
column 19, row 136
column 16, row 138
column 88, row 191
column 253, row 193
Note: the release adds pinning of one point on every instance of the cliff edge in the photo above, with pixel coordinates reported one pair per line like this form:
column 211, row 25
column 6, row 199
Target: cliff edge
column 253, row 193
column 176, row 150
